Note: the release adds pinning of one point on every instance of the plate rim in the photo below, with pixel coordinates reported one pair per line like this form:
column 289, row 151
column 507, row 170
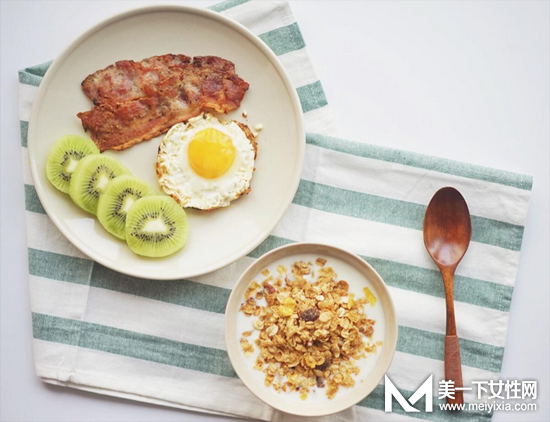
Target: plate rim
column 80, row 244
column 269, row 396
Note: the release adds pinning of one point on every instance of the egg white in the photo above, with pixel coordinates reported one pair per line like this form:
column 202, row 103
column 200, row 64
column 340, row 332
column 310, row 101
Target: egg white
column 177, row 178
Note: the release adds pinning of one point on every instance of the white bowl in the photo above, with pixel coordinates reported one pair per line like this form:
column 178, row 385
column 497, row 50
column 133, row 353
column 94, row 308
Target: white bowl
column 344, row 399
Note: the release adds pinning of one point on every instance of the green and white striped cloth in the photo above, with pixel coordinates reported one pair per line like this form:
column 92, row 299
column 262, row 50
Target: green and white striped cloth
column 162, row 341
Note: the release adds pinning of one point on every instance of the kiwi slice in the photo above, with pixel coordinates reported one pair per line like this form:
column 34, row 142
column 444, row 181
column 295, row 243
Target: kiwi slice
column 63, row 158
column 156, row 226
column 90, row 177
column 116, row 200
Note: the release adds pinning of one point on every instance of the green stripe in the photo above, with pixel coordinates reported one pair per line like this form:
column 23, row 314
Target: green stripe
column 24, row 127
column 28, row 78
column 284, row 39
column 398, row 213
column 213, row 299
column 178, row 354
column 84, row 271
column 312, row 96
column 427, row 162
column 131, row 344
column 60, row 267
column 497, row 233
column 403, row 276
column 431, row 345
column 423, row 280
column 376, row 400
column 32, row 202
column 180, row 292
column 373, row 208
column 220, row 7
column 55, row 329
column 33, row 75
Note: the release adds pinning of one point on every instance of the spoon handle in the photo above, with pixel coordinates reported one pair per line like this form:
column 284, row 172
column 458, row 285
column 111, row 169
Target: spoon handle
column 453, row 367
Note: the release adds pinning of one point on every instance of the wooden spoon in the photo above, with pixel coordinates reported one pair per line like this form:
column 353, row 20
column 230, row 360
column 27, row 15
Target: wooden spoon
column 447, row 234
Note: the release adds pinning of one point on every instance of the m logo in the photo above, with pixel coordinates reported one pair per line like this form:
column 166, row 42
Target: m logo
column 426, row 390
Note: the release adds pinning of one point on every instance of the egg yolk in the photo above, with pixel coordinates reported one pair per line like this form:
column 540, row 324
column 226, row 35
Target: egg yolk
column 211, row 153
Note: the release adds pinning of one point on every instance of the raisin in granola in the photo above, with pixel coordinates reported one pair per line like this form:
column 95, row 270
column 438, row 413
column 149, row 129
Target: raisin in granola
column 310, row 314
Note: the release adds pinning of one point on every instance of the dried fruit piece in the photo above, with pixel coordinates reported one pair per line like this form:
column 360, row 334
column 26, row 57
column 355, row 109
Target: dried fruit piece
column 269, row 288
column 310, row 314
column 370, row 296
column 287, row 308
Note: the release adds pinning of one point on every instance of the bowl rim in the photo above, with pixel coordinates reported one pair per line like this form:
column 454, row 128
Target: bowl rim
column 47, row 200
column 268, row 396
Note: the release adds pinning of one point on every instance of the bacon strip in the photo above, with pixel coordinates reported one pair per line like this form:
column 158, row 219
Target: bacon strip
column 138, row 101
column 128, row 80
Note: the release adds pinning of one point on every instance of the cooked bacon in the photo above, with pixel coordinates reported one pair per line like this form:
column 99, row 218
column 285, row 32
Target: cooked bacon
column 138, row 101
column 128, row 80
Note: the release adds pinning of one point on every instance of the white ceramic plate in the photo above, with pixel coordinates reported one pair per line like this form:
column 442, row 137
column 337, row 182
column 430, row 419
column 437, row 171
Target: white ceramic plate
column 367, row 380
column 216, row 238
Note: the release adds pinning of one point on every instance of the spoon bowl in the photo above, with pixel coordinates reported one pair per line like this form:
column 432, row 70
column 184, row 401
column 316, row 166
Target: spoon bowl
column 447, row 227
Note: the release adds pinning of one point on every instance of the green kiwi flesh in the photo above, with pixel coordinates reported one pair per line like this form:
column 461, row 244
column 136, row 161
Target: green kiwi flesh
column 90, row 177
column 116, row 200
column 156, row 226
column 64, row 157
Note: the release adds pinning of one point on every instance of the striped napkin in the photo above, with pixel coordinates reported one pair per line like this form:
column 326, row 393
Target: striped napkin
column 162, row 341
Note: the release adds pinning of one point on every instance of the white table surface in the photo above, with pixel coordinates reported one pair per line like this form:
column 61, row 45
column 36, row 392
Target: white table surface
column 462, row 80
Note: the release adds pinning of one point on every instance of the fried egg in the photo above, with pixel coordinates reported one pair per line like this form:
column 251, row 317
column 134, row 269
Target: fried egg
column 205, row 163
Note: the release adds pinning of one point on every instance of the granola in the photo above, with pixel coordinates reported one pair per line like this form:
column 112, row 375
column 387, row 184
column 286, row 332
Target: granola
column 312, row 330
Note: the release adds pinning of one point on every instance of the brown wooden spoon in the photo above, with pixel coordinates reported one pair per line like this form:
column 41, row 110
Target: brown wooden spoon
column 447, row 234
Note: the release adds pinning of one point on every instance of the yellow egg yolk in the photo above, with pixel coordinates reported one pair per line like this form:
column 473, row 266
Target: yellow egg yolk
column 211, row 153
